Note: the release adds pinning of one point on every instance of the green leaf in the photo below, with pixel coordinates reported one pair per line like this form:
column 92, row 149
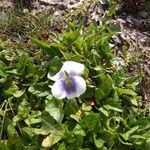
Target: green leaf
column 113, row 104
column 39, row 89
column 71, row 107
column 122, row 91
column 31, row 120
column 132, row 82
column 31, row 69
column 10, row 89
column 77, row 116
column 138, row 137
column 3, row 145
column 50, row 125
column 27, row 133
column 104, row 88
column 52, row 139
column 91, row 122
column 104, row 111
column 87, row 43
column 2, row 65
column 18, row 94
column 144, row 123
column 98, row 142
column 127, row 135
column 71, row 37
column 114, row 28
column 55, row 65
column 78, row 130
column 147, row 146
column 62, row 146
column 13, row 71
column 112, row 8
column 11, row 131
column 40, row 44
column 86, row 107
column 2, row 80
column 52, row 49
column 109, row 107
column 3, row 76
column 23, row 60
column 105, row 50
column 15, row 142
column 55, row 109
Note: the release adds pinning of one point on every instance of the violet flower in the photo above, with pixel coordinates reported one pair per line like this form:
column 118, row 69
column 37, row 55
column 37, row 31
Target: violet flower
column 68, row 82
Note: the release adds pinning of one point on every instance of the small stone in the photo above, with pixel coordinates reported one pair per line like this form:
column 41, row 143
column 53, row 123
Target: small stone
column 143, row 14
column 71, row 3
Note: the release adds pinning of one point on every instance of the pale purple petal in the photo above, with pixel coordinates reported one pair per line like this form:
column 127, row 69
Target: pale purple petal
column 68, row 83
column 77, row 88
column 56, row 77
column 73, row 68
column 58, row 90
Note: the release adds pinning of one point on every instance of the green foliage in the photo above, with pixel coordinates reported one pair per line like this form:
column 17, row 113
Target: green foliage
column 108, row 116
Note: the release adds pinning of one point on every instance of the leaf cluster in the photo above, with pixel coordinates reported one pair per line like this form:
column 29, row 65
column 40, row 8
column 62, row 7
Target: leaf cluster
column 108, row 116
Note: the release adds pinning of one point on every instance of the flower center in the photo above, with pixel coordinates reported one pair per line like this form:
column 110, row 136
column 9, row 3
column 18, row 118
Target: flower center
column 68, row 79
column 69, row 84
